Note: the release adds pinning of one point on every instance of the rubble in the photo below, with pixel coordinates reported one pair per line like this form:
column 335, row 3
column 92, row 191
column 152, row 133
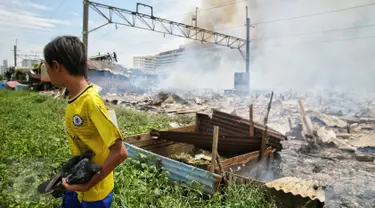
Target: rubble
column 342, row 123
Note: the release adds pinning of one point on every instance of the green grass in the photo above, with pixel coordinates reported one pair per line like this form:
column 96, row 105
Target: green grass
column 33, row 146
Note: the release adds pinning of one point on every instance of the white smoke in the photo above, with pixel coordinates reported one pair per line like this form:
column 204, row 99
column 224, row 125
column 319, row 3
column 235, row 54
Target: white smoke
column 317, row 60
column 281, row 58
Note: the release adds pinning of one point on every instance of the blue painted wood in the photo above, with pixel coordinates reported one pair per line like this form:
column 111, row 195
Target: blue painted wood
column 179, row 171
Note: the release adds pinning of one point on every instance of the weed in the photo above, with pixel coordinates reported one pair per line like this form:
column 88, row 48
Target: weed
column 33, row 145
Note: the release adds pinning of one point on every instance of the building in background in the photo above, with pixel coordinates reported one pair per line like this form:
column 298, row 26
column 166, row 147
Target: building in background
column 160, row 61
column 28, row 63
column 144, row 62
column 2, row 70
column 166, row 60
column 5, row 66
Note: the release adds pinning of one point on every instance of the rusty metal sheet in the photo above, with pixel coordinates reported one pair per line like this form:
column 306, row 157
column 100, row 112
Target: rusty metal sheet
column 238, row 144
column 311, row 189
column 243, row 125
column 243, row 159
column 234, row 125
column 147, row 137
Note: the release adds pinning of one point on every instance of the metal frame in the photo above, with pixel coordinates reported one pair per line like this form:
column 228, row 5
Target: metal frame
column 156, row 24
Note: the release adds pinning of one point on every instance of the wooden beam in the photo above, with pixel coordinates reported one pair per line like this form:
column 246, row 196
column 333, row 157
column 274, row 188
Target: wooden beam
column 251, row 121
column 214, row 148
column 221, row 167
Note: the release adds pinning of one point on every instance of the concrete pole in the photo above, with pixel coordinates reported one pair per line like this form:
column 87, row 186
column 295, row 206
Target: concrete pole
column 248, row 47
column 196, row 16
column 85, row 29
column 15, row 55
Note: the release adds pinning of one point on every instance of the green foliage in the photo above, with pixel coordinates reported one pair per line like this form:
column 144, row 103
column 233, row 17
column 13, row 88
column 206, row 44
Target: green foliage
column 33, row 147
column 35, row 66
column 2, row 77
column 21, row 69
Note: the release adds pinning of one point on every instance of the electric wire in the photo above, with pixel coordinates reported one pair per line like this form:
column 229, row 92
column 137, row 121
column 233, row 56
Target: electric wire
column 314, row 14
column 316, row 32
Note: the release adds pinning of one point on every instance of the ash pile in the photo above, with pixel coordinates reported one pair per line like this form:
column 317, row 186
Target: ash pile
column 337, row 147
column 169, row 103
column 330, row 135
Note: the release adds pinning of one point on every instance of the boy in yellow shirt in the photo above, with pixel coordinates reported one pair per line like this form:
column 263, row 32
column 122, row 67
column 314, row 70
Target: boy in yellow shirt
column 88, row 123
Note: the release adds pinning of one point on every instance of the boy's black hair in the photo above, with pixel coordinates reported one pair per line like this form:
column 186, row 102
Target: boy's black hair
column 68, row 51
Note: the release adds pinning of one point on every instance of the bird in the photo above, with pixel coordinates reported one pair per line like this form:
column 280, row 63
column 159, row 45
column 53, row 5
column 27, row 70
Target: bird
column 77, row 170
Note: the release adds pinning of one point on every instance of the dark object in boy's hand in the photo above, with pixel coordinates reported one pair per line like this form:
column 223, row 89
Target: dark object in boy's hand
column 77, row 170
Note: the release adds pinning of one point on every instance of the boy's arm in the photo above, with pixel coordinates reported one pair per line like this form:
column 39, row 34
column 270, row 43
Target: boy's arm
column 112, row 139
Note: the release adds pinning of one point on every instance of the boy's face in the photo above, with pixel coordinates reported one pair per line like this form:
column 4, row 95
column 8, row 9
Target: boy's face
column 56, row 73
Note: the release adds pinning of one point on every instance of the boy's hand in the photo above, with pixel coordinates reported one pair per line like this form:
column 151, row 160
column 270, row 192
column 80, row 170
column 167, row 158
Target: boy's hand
column 117, row 155
column 76, row 187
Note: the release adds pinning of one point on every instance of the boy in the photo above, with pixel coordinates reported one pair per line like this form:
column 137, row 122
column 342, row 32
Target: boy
column 88, row 124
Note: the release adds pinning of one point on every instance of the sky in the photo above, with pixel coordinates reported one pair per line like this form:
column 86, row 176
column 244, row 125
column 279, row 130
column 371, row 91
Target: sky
column 296, row 44
column 35, row 22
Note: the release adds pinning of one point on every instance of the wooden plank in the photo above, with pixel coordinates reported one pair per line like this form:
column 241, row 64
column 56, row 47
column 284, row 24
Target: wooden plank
column 264, row 144
column 214, row 148
column 251, row 121
column 139, row 137
column 190, row 128
column 265, row 136
column 221, row 167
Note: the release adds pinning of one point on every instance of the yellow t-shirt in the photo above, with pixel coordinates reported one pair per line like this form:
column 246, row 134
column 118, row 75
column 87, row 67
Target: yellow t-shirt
column 89, row 126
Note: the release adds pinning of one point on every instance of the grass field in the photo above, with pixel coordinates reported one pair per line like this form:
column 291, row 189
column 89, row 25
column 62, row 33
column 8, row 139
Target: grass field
column 33, row 146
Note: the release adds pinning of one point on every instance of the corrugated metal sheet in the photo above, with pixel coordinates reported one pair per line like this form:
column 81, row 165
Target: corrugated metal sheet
column 238, row 144
column 242, row 124
column 234, row 125
column 179, row 171
column 312, row 189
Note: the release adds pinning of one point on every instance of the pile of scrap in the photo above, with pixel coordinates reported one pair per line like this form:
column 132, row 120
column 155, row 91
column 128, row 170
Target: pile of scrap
column 234, row 136
column 199, row 160
column 165, row 103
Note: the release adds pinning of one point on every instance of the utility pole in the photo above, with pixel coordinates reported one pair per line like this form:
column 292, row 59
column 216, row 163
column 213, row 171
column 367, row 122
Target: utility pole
column 248, row 46
column 15, row 54
column 85, row 29
column 196, row 16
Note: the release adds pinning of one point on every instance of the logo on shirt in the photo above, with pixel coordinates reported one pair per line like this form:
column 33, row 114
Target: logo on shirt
column 77, row 120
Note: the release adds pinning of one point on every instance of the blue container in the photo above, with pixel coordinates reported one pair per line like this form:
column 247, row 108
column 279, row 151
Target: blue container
column 20, row 87
column 2, row 85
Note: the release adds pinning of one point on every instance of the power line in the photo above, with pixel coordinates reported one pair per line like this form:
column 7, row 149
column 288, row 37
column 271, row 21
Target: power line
column 55, row 11
column 317, row 32
column 214, row 7
column 103, row 36
column 57, row 8
column 324, row 41
column 223, row 5
column 315, row 14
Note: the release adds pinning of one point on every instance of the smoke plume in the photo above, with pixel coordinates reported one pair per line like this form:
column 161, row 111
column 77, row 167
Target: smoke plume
column 319, row 49
column 204, row 65
column 292, row 53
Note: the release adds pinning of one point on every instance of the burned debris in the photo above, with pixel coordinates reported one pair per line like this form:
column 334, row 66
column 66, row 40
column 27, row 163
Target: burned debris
column 325, row 140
